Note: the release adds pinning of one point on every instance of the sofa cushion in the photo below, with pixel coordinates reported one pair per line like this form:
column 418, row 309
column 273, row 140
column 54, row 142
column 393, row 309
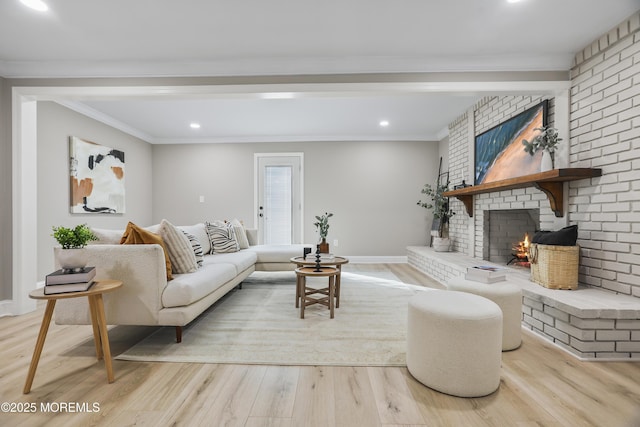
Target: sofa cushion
column 241, row 260
column 222, row 237
column 183, row 259
column 277, row 253
column 134, row 235
column 200, row 231
column 186, row 289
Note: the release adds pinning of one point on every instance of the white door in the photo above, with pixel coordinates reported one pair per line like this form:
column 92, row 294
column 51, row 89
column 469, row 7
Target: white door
column 279, row 198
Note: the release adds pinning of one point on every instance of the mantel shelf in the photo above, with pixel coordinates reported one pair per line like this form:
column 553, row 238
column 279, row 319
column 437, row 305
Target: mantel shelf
column 550, row 182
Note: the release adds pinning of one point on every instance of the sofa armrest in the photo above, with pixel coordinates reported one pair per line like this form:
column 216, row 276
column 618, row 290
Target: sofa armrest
column 141, row 268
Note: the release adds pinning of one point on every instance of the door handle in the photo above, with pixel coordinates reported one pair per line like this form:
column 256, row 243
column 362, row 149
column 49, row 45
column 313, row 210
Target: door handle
column 260, row 214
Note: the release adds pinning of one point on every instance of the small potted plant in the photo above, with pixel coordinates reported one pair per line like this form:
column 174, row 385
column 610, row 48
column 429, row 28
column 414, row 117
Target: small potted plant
column 322, row 226
column 546, row 141
column 439, row 204
column 72, row 239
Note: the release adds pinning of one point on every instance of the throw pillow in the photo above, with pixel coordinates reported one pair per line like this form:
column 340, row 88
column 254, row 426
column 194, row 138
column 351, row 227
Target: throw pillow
column 222, row 237
column 200, row 232
column 566, row 236
column 134, row 235
column 197, row 248
column 183, row 259
column 241, row 234
column 106, row 236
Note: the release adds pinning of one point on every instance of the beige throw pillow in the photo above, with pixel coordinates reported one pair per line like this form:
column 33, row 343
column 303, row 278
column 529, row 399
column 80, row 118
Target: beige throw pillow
column 183, row 259
column 241, row 234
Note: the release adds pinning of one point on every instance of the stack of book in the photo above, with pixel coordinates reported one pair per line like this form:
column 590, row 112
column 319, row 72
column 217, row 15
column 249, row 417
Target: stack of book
column 63, row 281
column 323, row 257
column 486, row 274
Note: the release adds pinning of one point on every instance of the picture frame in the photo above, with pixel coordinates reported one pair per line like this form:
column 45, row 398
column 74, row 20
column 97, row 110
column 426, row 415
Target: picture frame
column 499, row 153
column 96, row 178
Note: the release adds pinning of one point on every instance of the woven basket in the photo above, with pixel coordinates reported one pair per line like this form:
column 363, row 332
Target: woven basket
column 554, row 267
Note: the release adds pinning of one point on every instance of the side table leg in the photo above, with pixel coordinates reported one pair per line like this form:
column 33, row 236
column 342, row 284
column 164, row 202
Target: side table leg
column 94, row 323
column 297, row 291
column 44, row 328
column 104, row 335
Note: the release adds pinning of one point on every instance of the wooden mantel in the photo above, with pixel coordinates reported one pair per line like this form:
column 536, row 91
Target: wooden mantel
column 550, row 182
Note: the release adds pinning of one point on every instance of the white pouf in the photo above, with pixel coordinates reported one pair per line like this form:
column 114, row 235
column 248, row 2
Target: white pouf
column 508, row 296
column 454, row 342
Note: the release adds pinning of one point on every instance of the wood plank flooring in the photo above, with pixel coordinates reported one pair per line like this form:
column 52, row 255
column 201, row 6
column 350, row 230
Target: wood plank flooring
column 541, row 385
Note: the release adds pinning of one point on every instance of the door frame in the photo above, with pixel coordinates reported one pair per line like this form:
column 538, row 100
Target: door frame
column 256, row 201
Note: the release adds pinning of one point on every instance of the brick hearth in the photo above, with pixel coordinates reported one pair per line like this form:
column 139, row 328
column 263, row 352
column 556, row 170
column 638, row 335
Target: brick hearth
column 590, row 323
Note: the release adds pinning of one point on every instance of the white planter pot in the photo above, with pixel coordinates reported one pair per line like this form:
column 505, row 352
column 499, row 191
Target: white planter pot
column 546, row 164
column 441, row 244
column 70, row 259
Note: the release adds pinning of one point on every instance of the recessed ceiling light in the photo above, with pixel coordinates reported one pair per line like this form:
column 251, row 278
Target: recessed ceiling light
column 195, row 125
column 277, row 95
column 514, row 1
column 38, row 5
column 384, row 123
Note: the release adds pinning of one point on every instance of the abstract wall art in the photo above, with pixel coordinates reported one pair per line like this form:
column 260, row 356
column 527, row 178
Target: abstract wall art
column 97, row 178
column 499, row 153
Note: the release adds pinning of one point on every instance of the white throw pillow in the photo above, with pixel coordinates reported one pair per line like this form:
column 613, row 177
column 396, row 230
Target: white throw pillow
column 241, row 234
column 106, row 237
column 183, row 259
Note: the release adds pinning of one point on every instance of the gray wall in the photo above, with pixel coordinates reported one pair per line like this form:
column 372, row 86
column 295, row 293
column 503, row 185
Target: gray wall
column 55, row 124
column 371, row 187
column 5, row 192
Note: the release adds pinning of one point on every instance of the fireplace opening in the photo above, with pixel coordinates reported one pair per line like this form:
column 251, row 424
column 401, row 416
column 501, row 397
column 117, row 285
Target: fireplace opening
column 520, row 253
column 504, row 234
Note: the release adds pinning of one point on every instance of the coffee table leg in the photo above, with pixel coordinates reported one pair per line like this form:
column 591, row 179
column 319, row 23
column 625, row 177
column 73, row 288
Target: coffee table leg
column 303, row 295
column 332, row 291
column 104, row 335
column 44, row 328
column 339, row 267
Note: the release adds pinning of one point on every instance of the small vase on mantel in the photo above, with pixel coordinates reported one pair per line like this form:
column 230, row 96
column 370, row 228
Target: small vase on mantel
column 547, row 162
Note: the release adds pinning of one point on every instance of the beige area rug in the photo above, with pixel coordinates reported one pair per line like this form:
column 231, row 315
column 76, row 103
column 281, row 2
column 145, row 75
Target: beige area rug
column 259, row 324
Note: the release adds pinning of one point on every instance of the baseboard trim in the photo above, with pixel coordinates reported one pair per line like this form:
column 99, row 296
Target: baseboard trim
column 377, row 259
column 6, row 308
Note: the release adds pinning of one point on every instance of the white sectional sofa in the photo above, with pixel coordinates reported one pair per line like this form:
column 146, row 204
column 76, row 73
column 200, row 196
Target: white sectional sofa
column 148, row 298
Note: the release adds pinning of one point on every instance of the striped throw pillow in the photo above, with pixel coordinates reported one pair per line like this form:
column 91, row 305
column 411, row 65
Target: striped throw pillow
column 222, row 238
column 197, row 248
column 183, row 260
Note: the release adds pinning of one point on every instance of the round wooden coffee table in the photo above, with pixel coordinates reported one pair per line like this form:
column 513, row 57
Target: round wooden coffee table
column 98, row 320
column 305, row 296
column 336, row 262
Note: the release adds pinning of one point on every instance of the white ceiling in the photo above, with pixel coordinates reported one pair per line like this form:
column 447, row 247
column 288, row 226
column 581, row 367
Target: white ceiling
column 156, row 38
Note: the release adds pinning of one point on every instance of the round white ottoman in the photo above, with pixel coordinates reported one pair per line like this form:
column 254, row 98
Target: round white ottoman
column 508, row 296
column 454, row 342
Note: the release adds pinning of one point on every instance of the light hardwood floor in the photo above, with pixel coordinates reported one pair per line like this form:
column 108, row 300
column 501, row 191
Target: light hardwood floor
column 541, row 385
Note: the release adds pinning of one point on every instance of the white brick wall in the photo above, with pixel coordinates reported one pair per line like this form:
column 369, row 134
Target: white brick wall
column 605, row 133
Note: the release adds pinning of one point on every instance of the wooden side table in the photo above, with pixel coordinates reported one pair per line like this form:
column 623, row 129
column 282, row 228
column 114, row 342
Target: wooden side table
column 98, row 321
column 336, row 262
column 304, row 294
